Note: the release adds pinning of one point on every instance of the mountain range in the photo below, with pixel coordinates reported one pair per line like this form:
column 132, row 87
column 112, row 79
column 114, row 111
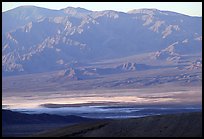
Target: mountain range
column 75, row 40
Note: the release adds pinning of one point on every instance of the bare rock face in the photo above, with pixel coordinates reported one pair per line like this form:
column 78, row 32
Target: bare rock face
column 50, row 39
column 69, row 74
column 129, row 66
column 174, row 51
column 195, row 65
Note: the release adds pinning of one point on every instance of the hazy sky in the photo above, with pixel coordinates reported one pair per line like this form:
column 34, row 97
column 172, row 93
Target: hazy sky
column 188, row 8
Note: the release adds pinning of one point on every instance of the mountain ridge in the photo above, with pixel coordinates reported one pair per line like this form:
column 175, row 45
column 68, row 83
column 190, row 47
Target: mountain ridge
column 77, row 34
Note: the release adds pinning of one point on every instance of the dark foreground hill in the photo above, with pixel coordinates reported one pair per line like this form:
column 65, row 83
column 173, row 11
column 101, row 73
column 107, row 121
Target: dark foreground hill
column 21, row 124
column 174, row 125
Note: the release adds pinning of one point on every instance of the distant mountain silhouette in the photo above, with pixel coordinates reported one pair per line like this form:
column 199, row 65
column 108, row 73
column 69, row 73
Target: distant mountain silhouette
column 12, row 118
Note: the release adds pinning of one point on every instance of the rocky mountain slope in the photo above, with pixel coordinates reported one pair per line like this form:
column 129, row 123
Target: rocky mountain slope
column 36, row 39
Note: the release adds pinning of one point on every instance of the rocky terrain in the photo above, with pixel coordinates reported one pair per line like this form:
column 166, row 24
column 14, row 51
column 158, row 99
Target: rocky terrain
column 38, row 40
